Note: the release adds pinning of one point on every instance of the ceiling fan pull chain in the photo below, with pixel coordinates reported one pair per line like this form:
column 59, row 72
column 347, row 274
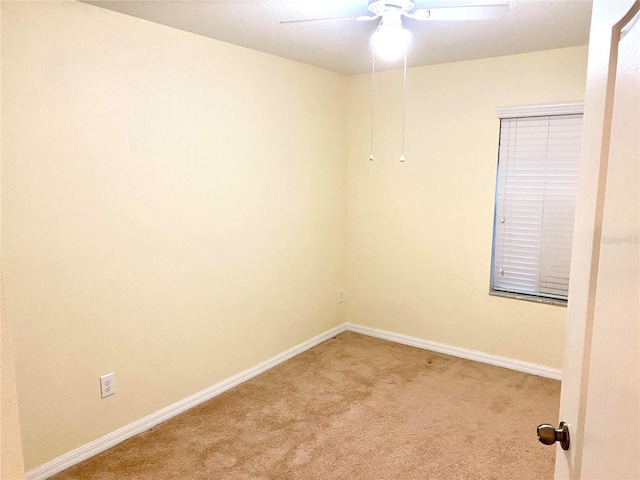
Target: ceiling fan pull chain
column 404, row 102
column 373, row 89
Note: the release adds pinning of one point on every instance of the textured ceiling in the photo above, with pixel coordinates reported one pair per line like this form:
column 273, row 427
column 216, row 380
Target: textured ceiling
column 343, row 46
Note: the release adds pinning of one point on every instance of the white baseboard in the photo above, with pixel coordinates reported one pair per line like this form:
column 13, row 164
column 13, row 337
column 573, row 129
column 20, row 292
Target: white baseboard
column 526, row 367
column 95, row 447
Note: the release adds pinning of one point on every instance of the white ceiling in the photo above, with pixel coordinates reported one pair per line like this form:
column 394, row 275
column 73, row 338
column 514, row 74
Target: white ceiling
column 343, row 46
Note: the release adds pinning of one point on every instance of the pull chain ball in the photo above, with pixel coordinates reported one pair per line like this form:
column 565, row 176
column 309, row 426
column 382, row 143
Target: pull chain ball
column 371, row 157
column 402, row 159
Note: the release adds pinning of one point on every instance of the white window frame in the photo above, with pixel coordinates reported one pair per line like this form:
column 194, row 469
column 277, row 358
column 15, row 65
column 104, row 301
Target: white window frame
column 521, row 112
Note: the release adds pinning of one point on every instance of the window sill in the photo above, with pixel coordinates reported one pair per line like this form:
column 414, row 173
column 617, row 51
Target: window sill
column 529, row 298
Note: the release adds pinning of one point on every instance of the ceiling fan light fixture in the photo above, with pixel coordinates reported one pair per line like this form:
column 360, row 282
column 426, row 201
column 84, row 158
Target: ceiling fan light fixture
column 391, row 40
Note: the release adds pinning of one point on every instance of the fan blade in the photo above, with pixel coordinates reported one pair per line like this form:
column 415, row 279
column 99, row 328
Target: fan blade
column 334, row 19
column 476, row 12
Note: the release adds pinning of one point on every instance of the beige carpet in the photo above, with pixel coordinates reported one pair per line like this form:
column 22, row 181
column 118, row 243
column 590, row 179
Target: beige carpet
column 353, row 407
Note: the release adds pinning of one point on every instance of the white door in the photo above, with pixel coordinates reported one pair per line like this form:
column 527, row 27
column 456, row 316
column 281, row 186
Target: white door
column 600, row 390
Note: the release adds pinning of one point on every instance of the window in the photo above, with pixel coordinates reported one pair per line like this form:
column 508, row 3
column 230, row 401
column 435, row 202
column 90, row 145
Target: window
column 537, row 179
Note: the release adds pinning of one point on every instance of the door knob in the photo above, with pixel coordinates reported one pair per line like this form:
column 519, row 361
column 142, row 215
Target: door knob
column 548, row 435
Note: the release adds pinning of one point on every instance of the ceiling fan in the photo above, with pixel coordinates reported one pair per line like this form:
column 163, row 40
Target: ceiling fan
column 391, row 39
column 381, row 7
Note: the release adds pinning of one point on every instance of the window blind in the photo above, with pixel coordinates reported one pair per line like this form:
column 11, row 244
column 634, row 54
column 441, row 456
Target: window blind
column 535, row 201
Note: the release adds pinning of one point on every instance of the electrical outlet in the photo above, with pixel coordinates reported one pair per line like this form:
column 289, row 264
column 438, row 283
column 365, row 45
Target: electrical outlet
column 341, row 295
column 107, row 385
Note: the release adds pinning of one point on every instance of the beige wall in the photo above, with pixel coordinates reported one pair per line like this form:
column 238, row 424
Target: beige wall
column 419, row 233
column 11, row 462
column 173, row 210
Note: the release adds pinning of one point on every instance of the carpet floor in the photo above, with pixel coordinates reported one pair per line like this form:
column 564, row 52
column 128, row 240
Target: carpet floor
column 354, row 407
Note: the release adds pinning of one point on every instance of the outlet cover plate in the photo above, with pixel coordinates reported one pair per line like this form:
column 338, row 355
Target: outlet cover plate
column 107, row 385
